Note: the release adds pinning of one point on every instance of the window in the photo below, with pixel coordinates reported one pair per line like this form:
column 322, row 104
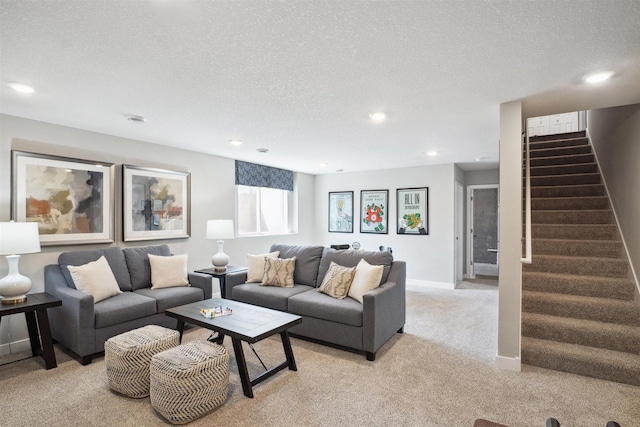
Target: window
column 262, row 206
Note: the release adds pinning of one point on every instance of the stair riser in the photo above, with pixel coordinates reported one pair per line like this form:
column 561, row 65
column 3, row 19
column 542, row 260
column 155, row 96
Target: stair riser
column 600, row 369
column 601, row 267
column 560, row 138
column 558, row 151
column 624, row 315
column 598, row 249
column 568, row 191
column 574, row 232
column 559, row 180
column 570, row 203
column 572, row 217
column 620, row 289
column 562, row 160
column 623, row 339
column 564, row 169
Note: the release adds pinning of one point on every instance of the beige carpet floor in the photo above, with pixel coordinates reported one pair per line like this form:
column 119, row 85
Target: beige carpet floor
column 440, row 372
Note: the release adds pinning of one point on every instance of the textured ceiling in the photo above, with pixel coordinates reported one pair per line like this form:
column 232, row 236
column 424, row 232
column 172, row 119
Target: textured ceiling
column 300, row 77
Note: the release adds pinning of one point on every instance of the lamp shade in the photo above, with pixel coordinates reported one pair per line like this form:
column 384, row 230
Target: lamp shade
column 19, row 238
column 220, row 229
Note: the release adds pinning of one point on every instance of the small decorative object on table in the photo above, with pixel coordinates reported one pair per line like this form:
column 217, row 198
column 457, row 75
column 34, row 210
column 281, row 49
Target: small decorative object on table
column 216, row 311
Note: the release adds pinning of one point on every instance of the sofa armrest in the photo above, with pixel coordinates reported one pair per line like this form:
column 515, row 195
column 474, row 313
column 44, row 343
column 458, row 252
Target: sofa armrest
column 384, row 309
column 202, row 281
column 72, row 323
column 233, row 279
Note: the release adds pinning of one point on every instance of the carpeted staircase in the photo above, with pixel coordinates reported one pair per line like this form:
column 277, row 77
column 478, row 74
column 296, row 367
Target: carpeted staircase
column 578, row 301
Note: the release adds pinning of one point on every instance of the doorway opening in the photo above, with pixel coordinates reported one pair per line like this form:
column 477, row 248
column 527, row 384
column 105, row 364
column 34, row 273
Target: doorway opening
column 483, row 258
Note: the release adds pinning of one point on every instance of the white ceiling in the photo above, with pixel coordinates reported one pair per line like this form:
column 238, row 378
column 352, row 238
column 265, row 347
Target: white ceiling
column 300, row 77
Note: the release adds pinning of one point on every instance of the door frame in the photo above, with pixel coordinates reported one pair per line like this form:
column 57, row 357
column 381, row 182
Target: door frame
column 469, row 239
column 458, row 242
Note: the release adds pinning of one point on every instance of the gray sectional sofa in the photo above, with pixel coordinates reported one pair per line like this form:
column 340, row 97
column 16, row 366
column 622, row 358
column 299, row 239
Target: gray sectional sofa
column 344, row 322
column 83, row 327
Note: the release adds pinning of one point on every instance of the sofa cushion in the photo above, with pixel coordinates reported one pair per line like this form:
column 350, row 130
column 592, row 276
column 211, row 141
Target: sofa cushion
column 172, row 297
column 278, row 272
column 267, row 296
column 307, row 262
column 114, row 257
column 122, row 308
column 137, row 260
column 168, row 271
column 351, row 258
column 337, row 281
column 95, row 278
column 321, row 306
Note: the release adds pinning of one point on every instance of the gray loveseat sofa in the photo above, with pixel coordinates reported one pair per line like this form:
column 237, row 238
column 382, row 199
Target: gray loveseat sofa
column 83, row 327
column 365, row 327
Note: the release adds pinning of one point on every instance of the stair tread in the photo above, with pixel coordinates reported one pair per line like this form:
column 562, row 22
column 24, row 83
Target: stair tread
column 608, row 303
column 574, row 258
column 577, row 277
column 582, row 324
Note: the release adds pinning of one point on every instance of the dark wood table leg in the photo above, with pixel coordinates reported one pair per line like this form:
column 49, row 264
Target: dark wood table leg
column 288, row 351
column 180, row 328
column 34, row 335
column 222, row 280
column 242, row 367
column 48, row 354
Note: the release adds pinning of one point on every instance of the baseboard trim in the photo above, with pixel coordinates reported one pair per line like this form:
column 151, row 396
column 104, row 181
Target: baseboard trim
column 430, row 284
column 508, row 363
column 15, row 347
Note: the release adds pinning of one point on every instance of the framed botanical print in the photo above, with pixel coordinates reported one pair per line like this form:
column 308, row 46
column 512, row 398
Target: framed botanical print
column 413, row 211
column 341, row 212
column 373, row 211
column 70, row 199
column 156, row 203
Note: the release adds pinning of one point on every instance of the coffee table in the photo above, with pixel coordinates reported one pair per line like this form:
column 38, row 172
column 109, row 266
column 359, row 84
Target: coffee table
column 248, row 323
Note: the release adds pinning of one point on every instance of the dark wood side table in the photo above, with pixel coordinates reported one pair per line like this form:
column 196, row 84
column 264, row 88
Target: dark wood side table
column 35, row 310
column 221, row 275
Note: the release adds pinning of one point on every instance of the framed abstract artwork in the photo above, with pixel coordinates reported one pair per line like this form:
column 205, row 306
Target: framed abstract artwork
column 71, row 199
column 156, row 203
column 373, row 211
column 413, row 211
column 341, row 212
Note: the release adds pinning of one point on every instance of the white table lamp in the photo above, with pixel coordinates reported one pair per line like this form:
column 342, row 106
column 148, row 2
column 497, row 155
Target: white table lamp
column 220, row 230
column 17, row 238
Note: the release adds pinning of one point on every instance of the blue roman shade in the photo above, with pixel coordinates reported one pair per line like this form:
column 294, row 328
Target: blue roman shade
column 254, row 175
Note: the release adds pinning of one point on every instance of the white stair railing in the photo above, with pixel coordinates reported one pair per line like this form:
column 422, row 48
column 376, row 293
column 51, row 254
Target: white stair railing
column 527, row 200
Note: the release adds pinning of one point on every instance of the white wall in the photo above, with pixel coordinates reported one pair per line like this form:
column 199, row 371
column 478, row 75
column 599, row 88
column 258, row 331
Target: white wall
column 430, row 259
column 510, row 246
column 212, row 196
column 615, row 135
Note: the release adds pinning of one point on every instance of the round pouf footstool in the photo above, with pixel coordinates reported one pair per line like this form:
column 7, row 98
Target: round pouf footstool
column 189, row 380
column 128, row 357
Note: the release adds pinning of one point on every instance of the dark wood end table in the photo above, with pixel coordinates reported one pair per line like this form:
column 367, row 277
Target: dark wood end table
column 35, row 310
column 222, row 275
column 248, row 323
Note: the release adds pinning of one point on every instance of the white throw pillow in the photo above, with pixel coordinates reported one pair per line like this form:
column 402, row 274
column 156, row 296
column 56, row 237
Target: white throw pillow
column 168, row 271
column 367, row 277
column 95, row 278
column 255, row 265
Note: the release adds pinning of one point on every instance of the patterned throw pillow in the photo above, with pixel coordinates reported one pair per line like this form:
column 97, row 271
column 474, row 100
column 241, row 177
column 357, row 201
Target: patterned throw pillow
column 255, row 264
column 278, row 272
column 337, row 281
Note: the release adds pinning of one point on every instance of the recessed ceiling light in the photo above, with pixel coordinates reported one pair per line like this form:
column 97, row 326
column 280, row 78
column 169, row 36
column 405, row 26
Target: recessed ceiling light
column 598, row 77
column 339, row 170
column 136, row 119
column 236, row 142
column 479, row 159
column 432, row 153
column 262, row 150
column 324, row 165
column 20, row 87
column 378, row 117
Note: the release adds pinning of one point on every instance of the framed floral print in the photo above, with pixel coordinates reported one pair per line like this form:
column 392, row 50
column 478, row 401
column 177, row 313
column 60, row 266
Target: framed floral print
column 341, row 212
column 156, row 203
column 373, row 211
column 413, row 211
column 71, row 199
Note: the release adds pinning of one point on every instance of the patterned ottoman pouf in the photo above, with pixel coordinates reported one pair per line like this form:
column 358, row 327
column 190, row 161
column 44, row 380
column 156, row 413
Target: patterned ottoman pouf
column 128, row 357
column 189, row 380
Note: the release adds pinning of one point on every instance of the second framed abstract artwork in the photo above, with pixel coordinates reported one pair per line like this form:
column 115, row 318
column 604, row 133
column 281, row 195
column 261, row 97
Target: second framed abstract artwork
column 373, row 211
column 156, row 203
